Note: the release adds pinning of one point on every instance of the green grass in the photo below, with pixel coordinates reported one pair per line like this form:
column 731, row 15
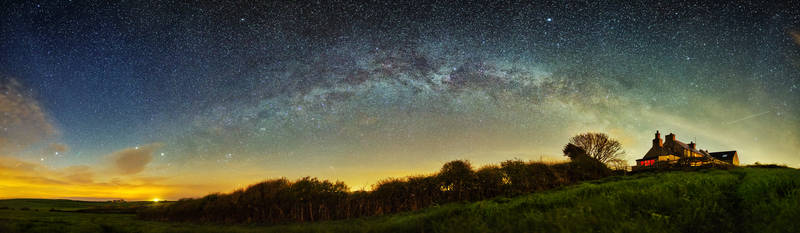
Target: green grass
column 738, row 200
column 46, row 204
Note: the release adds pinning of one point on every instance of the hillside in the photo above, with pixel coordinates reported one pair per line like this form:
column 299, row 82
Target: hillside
column 738, row 200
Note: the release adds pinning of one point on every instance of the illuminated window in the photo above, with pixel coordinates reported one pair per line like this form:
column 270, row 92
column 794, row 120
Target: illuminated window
column 647, row 162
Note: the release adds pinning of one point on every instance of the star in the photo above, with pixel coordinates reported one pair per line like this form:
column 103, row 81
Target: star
column 371, row 87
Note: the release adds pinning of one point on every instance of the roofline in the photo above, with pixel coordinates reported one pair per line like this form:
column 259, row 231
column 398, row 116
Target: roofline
column 722, row 152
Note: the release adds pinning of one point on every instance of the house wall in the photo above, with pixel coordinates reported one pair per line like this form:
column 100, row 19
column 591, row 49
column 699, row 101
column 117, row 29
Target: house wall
column 667, row 158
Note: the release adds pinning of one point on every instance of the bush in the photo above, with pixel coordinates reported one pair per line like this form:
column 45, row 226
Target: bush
column 759, row 165
column 310, row 199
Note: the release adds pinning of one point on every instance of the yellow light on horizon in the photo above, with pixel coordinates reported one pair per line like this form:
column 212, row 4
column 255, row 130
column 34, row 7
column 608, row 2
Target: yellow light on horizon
column 156, row 200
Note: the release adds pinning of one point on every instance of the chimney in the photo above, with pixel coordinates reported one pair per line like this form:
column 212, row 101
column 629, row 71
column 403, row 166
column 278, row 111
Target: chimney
column 657, row 142
column 693, row 145
column 670, row 137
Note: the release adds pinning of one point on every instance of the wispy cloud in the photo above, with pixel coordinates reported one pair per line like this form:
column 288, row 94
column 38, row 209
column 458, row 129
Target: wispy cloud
column 57, row 148
column 22, row 120
column 133, row 160
column 21, row 179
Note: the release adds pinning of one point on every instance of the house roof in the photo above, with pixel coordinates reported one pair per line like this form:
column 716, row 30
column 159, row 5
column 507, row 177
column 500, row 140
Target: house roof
column 685, row 146
column 674, row 147
column 724, row 155
column 654, row 152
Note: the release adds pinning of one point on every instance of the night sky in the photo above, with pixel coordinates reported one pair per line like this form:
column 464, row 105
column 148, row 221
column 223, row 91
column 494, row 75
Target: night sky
column 168, row 99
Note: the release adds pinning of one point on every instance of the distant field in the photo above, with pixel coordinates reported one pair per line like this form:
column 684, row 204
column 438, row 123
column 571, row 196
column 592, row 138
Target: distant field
column 739, row 200
column 46, row 204
column 67, row 205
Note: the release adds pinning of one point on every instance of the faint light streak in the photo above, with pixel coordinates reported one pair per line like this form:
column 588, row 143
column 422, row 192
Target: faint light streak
column 746, row 118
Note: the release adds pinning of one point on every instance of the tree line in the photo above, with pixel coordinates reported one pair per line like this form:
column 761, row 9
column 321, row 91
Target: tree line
column 310, row 199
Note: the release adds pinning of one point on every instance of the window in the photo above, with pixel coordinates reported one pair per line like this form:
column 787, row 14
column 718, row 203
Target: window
column 647, row 162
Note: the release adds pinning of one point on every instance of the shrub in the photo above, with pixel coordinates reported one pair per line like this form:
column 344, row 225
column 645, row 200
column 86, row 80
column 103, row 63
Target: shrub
column 310, row 199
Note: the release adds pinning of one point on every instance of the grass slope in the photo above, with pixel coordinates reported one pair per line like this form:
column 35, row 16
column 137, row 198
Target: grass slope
column 738, row 200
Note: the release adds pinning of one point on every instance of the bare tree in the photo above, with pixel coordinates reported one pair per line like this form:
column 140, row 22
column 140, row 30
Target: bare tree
column 618, row 164
column 599, row 146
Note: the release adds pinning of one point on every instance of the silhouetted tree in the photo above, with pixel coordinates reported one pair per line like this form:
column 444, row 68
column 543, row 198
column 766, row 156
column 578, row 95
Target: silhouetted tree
column 457, row 180
column 310, row 199
column 582, row 166
column 515, row 174
column 491, row 181
column 393, row 194
column 599, row 146
column 574, row 152
column 618, row 164
column 425, row 190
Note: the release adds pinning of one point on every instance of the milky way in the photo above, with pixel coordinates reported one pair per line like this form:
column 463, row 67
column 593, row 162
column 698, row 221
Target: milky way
column 208, row 97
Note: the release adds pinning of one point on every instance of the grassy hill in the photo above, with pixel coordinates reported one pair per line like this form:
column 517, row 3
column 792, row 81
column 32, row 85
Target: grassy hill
column 737, row 200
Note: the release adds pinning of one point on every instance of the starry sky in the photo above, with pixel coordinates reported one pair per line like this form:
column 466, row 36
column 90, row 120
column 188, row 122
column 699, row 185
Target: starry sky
column 167, row 99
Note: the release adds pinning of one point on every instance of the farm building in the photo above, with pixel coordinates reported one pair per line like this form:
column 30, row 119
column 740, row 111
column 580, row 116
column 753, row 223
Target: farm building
column 672, row 152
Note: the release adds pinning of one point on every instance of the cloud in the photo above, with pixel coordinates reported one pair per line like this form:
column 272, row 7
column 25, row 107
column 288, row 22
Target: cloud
column 22, row 120
column 14, row 171
column 57, row 147
column 133, row 160
column 99, row 181
column 35, row 174
column 79, row 174
column 21, row 179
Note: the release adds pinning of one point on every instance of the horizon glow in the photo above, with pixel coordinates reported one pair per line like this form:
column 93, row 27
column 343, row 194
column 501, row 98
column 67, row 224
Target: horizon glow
column 160, row 101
